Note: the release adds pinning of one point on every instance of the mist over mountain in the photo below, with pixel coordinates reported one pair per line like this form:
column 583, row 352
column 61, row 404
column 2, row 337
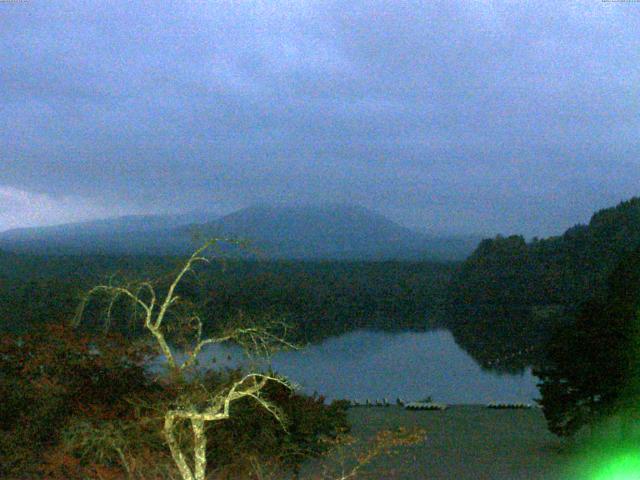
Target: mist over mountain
column 334, row 231
column 131, row 234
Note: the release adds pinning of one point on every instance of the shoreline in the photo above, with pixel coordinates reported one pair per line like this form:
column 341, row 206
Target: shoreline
column 465, row 442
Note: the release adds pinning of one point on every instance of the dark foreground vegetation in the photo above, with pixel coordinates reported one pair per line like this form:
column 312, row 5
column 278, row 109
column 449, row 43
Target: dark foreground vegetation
column 84, row 405
column 76, row 406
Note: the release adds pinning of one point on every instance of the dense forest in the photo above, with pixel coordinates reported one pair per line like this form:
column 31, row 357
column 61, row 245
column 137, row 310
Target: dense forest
column 318, row 299
column 509, row 295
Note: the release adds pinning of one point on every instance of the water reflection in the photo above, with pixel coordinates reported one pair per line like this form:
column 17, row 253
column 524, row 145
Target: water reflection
column 411, row 365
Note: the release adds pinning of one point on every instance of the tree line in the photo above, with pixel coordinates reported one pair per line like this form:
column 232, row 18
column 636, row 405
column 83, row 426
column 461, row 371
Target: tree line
column 319, row 299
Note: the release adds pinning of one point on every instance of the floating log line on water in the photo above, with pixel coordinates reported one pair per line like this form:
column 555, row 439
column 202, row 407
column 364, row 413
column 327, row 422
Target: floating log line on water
column 425, row 406
column 400, row 403
column 373, row 403
column 509, row 406
column 429, row 405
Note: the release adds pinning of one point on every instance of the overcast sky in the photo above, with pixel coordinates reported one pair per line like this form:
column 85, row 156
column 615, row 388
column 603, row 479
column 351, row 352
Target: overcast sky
column 453, row 116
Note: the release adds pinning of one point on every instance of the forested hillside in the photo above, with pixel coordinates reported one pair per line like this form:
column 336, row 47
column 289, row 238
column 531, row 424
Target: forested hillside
column 591, row 368
column 509, row 294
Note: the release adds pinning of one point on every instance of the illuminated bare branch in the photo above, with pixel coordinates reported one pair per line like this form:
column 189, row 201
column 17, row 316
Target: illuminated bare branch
column 258, row 339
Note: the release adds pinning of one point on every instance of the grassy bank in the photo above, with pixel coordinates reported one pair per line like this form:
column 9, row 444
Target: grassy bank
column 465, row 442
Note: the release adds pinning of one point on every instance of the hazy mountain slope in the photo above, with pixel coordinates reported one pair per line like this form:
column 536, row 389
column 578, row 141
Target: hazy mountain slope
column 333, row 231
column 294, row 232
column 134, row 234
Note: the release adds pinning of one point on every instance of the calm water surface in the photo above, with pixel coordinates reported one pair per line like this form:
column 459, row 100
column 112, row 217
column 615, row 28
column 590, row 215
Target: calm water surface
column 371, row 365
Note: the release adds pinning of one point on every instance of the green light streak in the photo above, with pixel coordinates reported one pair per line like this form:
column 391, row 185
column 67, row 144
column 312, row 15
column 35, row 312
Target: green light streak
column 611, row 465
column 624, row 467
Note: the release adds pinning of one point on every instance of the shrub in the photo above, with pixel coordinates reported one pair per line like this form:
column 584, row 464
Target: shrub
column 53, row 374
column 75, row 406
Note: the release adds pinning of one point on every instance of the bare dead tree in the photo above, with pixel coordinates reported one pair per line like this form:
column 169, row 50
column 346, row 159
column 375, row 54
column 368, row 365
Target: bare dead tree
column 259, row 339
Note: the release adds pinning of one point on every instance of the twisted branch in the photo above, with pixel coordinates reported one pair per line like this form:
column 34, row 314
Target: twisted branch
column 261, row 340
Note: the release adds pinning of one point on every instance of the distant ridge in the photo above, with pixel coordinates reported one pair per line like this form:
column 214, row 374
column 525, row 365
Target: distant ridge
column 131, row 234
column 125, row 223
column 333, row 231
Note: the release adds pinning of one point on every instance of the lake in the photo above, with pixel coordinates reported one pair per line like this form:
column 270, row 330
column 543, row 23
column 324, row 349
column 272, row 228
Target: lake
column 372, row 365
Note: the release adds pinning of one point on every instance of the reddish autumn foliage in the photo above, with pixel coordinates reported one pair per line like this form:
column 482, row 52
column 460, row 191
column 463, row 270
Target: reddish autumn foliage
column 53, row 374
column 77, row 406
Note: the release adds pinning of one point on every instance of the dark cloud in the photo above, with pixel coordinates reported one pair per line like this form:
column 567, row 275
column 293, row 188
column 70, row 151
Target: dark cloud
column 467, row 116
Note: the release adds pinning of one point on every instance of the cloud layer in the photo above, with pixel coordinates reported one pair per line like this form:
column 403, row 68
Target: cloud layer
column 474, row 116
column 19, row 208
